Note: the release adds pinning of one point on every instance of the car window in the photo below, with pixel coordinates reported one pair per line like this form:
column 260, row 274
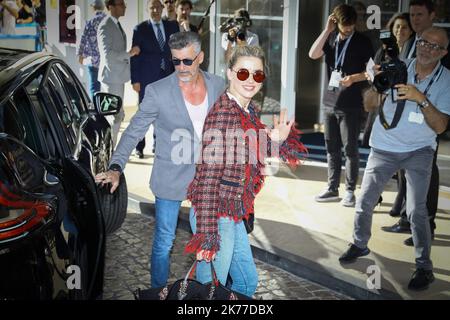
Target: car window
column 74, row 95
column 33, row 135
column 35, row 94
column 61, row 103
column 10, row 121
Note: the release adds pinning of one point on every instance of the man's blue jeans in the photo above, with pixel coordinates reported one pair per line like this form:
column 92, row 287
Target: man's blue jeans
column 234, row 257
column 166, row 225
column 94, row 84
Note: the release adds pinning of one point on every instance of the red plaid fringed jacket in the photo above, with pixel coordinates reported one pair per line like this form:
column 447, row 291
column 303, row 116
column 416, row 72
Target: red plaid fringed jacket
column 225, row 186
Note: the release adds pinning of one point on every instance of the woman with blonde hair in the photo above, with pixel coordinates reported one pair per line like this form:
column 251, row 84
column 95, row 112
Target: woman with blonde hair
column 230, row 175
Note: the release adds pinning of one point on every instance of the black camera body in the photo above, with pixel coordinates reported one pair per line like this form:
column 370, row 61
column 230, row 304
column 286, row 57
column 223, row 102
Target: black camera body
column 241, row 24
column 393, row 70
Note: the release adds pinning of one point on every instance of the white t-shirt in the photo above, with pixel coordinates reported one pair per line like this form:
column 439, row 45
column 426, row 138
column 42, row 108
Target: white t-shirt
column 198, row 113
column 7, row 20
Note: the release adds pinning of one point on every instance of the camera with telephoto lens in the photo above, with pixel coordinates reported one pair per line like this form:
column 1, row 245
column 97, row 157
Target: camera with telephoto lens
column 393, row 70
column 240, row 23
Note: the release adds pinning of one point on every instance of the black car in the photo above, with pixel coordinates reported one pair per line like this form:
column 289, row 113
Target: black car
column 53, row 217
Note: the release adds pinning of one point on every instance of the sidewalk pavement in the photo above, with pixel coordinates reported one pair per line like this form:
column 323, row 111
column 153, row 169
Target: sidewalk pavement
column 304, row 237
column 127, row 266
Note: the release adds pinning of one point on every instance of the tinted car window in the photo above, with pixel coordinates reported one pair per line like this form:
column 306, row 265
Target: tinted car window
column 33, row 136
column 10, row 122
column 73, row 92
column 61, row 103
column 35, row 93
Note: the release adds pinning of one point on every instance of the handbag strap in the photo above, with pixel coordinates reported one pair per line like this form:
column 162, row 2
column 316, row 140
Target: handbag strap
column 190, row 274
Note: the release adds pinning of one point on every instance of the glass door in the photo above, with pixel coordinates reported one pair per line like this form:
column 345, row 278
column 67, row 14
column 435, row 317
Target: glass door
column 267, row 23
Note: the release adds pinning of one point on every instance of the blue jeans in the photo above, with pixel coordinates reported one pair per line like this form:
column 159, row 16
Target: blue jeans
column 234, row 257
column 166, row 225
column 94, row 84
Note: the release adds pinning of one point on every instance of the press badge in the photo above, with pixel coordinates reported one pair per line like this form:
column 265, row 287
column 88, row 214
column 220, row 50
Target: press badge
column 335, row 79
column 416, row 117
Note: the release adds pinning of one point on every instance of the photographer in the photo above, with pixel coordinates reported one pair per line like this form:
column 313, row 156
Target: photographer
column 236, row 32
column 400, row 31
column 404, row 137
column 346, row 53
column 422, row 14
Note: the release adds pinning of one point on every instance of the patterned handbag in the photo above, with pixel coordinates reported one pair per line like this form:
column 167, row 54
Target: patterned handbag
column 190, row 289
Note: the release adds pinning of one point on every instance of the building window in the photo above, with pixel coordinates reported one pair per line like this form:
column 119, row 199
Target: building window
column 267, row 18
column 443, row 12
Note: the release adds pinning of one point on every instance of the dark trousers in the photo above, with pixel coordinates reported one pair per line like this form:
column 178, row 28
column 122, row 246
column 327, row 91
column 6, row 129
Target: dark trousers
column 162, row 74
column 342, row 129
column 432, row 195
column 141, row 145
column 94, row 84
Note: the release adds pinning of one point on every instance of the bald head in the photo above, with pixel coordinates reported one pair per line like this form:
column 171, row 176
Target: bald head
column 439, row 34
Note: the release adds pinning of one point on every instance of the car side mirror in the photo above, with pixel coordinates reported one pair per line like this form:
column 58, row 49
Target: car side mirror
column 107, row 104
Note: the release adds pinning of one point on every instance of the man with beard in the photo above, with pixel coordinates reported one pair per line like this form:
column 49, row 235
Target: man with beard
column 408, row 144
column 177, row 107
column 422, row 14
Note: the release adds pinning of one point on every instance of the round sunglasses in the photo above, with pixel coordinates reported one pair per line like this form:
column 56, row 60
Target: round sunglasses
column 243, row 74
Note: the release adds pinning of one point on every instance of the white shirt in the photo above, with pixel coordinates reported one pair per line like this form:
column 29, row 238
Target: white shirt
column 251, row 39
column 198, row 113
column 231, row 97
column 155, row 28
column 8, row 25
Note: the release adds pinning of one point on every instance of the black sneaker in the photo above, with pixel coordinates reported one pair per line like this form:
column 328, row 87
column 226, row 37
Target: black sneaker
column 327, row 196
column 410, row 243
column 399, row 227
column 421, row 279
column 353, row 253
column 139, row 154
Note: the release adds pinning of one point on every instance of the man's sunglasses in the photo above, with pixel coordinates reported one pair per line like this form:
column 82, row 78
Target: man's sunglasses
column 186, row 62
column 169, row 1
column 243, row 74
column 424, row 43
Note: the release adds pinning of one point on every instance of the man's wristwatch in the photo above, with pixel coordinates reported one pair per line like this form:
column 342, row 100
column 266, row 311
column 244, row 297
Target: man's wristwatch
column 115, row 167
column 424, row 104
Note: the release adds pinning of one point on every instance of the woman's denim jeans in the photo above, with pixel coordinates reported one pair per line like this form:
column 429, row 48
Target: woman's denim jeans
column 234, row 257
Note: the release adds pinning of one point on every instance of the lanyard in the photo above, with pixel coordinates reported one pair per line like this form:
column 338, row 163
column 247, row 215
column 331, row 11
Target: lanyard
column 339, row 60
column 412, row 49
column 433, row 79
